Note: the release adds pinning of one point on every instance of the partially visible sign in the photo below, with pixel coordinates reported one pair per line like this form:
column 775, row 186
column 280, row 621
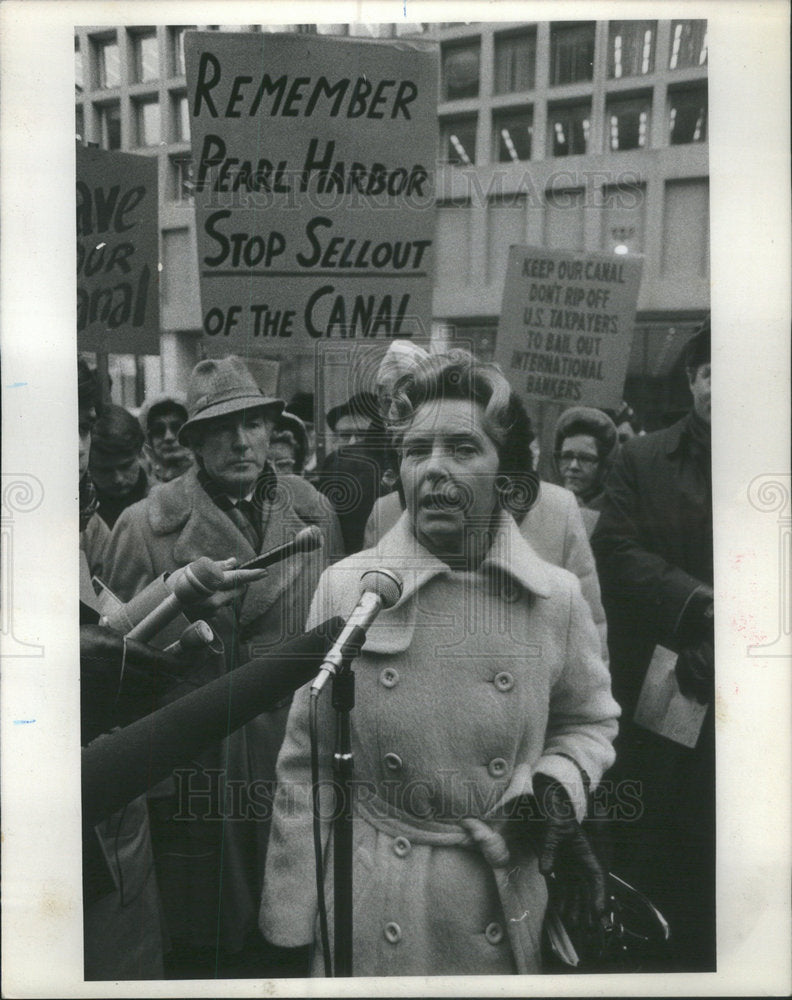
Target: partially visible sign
column 566, row 325
column 117, row 252
column 313, row 171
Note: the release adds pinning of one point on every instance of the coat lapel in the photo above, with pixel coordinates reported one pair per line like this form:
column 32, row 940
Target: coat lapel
column 280, row 523
column 399, row 550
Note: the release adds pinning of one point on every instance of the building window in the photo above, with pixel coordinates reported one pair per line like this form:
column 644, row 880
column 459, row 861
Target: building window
column 108, row 64
column 177, row 49
column 110, row 126
column 515, row 62
column 458, row 140
column 627, row 123
column 461, row 70
column 79, row 73
column 181, row 178
column 512, row 132
column 147, row 121
column 181, row 118
column 564, row 219
column 570, row 126
column 688, row 44
column 79, row 123
column 146, row 56
column 623, row 218
column 571, row 53
column 687, row 115
column 631, row 48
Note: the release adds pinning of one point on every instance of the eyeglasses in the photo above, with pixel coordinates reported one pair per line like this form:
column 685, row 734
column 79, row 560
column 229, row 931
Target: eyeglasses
column 568, row 457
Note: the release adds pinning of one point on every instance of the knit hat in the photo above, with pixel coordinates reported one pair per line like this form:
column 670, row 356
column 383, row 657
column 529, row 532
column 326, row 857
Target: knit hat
column 219, row 386
column 401, row 358
column 587, row 420
column 164, row 403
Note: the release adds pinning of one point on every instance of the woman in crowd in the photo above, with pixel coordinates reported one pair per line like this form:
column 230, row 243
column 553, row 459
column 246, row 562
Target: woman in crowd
column 586, row 442
column 483, row 710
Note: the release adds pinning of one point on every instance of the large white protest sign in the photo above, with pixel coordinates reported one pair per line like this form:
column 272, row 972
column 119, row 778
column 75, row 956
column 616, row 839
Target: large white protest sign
column 566, row 325
column 313, row 188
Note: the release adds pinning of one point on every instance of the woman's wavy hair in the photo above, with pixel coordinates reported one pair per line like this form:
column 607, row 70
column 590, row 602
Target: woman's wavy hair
column 458, row 375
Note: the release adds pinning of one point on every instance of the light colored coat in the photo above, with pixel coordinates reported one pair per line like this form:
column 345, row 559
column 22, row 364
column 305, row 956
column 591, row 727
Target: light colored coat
column 555, row 528
column 176, row 524
column 468, row 686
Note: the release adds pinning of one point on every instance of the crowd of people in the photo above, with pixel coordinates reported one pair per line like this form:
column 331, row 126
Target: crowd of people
column 495, row 728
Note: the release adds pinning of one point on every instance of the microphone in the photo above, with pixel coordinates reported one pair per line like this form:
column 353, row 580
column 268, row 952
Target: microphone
column 306, row 540
column 379, row 589
column 195, row 636
column 122, row 764
column 188, row 585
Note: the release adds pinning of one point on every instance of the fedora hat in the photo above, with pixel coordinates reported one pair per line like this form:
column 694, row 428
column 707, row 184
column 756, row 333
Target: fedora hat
column 219, row 386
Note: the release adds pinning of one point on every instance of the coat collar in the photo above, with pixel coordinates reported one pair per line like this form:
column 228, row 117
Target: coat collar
column 510, row 555
column 183, row 506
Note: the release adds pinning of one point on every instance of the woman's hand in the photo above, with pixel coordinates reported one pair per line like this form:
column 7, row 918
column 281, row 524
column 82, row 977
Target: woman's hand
column 575, row 878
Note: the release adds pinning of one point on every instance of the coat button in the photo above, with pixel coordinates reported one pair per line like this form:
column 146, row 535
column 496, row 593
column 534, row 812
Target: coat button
column 494, row 933
column 401, row 847
column 497, row 767
column 389, row 677
column 504, row 681
column 393, row 762
column 393, row 933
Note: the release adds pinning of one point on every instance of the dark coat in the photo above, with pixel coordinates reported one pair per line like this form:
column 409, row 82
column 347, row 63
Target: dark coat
column 353, row 478
column 653, row 546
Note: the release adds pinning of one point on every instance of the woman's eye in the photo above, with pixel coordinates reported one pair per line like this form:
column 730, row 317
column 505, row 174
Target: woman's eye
column 464, row 450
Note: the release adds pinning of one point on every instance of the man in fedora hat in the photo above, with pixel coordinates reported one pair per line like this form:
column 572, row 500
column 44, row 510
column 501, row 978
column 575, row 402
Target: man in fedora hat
column 653, row 545
column 232, row 503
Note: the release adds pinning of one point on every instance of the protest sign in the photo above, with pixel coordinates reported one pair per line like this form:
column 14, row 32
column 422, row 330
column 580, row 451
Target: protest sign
column 117, row 253
column 313, row 188
column 566, row 325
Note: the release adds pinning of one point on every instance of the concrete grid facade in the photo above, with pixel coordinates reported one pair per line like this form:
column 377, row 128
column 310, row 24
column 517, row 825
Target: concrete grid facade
column 577, row 135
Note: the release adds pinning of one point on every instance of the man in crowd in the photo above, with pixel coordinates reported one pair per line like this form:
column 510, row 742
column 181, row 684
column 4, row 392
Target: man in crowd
column 653, row 544
column 354, row 476
column 349, row 421
column 115, row 462
column 161, row 419
column 210, row 834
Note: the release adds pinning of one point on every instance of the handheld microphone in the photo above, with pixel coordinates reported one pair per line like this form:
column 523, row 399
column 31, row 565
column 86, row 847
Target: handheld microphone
column 188, row 585
column 195, row 636
column 379, row 588
column 306, row 540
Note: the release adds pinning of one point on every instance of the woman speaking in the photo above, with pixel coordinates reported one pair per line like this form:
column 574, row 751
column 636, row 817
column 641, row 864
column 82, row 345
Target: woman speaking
column 482, row 715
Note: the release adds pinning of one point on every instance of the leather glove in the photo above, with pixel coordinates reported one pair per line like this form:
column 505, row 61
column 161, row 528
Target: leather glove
column 121, row 679
column 575, row 878
column 695, row 672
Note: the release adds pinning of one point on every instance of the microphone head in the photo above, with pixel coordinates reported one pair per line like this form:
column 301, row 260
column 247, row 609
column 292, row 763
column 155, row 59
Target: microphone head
column 308, row 539
column 385, row 583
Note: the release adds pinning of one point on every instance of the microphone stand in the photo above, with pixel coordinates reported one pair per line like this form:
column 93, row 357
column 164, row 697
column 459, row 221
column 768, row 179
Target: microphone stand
column 343, row 766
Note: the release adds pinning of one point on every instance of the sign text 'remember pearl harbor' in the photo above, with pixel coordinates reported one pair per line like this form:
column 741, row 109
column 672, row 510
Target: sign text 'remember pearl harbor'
column 314, row 199
column 566, row 325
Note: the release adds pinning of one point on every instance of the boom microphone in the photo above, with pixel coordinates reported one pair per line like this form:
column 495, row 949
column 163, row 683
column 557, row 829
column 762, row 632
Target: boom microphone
column 379, row 588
